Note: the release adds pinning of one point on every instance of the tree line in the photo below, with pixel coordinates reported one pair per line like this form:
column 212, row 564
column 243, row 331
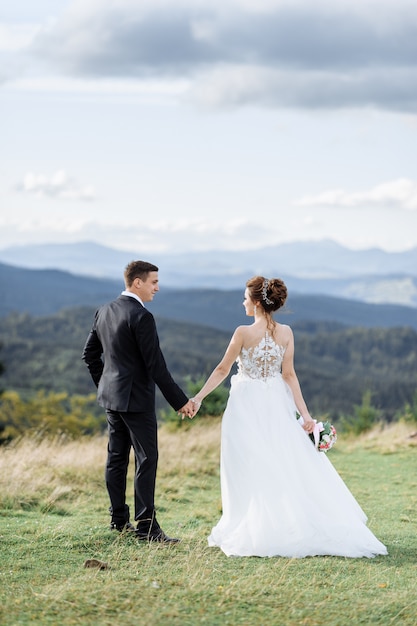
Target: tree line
column 338, row 367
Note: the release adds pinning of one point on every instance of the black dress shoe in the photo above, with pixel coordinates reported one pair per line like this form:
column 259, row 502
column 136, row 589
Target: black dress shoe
column 127, row 527
column 156, row 535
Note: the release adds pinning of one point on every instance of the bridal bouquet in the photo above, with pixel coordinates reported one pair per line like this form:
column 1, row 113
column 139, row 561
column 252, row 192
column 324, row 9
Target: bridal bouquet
column 327, row 436
column 324, row 435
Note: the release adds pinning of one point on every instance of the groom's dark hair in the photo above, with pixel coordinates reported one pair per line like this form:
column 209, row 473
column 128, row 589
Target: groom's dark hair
column 138, row 269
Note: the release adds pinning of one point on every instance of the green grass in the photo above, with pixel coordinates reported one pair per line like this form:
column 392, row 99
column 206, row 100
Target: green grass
column 53, row 517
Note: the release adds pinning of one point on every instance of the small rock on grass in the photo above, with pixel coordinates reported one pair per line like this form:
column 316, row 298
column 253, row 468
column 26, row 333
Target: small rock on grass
column 96, row 563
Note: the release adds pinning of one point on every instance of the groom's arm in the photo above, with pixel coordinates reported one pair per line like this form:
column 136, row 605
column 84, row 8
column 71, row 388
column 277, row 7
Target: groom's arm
column 149, row 348
column 92, row 353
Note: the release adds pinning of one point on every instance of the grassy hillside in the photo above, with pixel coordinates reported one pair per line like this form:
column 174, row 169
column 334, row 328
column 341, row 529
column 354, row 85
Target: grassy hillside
column 53, row 517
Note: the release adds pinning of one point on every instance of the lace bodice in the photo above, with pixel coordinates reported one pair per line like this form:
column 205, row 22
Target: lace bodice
column 261, row 361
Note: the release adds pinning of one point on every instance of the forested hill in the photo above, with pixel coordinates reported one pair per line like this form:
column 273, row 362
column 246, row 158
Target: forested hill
column 224, row 310
column 42, row 292
column 45, row 292
column 343, row 347
column 336, row 365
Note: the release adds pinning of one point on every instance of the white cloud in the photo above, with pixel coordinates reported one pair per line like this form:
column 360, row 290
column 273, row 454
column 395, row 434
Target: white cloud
column 198, row 234
column 14, row 37
column 398, row 194
column 158, row 236
column 148, row 91
column 59, row 185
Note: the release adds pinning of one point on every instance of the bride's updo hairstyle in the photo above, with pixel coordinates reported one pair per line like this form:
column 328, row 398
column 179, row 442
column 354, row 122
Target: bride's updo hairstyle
column 270, row 293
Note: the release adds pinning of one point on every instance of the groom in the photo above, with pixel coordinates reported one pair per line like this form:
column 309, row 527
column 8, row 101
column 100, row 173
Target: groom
column 125, row 361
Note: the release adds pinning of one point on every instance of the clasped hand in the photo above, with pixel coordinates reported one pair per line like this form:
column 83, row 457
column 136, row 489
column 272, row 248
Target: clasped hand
column 190, row 409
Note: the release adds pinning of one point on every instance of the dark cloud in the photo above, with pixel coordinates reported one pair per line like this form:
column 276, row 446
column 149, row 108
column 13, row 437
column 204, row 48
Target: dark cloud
column 309, row 39
column 310, row 57
column 121, row 44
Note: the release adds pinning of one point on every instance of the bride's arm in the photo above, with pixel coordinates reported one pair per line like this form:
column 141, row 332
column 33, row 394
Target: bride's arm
column 223, row 368
column 290, row 377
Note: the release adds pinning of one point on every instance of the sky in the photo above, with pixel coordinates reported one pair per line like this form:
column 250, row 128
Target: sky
column 172, row 125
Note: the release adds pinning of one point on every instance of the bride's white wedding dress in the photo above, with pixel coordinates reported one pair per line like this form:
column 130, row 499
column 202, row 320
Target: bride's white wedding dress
column 280, row 496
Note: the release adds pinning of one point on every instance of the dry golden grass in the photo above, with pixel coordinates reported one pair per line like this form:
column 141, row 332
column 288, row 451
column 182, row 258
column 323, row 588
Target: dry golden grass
column 190, row 448
column 32, row 462
column 385, row 438
column 51, row 471
column 34, row 469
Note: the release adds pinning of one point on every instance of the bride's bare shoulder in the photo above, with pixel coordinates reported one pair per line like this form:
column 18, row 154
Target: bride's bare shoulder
column 249, row 335
column 283, row 333
column 284, row 328
column 243, row 331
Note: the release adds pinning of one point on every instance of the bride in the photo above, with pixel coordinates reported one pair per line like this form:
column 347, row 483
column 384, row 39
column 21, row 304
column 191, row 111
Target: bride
column 280, row 496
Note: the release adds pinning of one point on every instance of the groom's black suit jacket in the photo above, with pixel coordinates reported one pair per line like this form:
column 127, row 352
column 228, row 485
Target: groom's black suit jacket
column 125, row 361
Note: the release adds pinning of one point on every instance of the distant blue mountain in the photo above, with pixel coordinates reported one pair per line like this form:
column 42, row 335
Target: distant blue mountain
column 320, row 259
column 45, row 292
column 322, row 267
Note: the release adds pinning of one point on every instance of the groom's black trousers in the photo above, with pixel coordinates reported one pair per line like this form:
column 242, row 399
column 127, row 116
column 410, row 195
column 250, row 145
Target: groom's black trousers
column 140, row 431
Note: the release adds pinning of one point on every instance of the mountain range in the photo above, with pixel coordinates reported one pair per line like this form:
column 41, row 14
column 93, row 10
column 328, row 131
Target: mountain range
column 45, row 292
column 345, row 346
column 319, row 268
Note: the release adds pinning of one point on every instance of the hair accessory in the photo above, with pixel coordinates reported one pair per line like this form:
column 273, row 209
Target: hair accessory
column 264, row 290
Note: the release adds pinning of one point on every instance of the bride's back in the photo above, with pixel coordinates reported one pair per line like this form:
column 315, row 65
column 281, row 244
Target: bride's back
column 253, row 334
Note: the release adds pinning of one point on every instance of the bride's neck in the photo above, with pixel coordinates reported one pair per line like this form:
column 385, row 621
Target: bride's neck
column 264, row 320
